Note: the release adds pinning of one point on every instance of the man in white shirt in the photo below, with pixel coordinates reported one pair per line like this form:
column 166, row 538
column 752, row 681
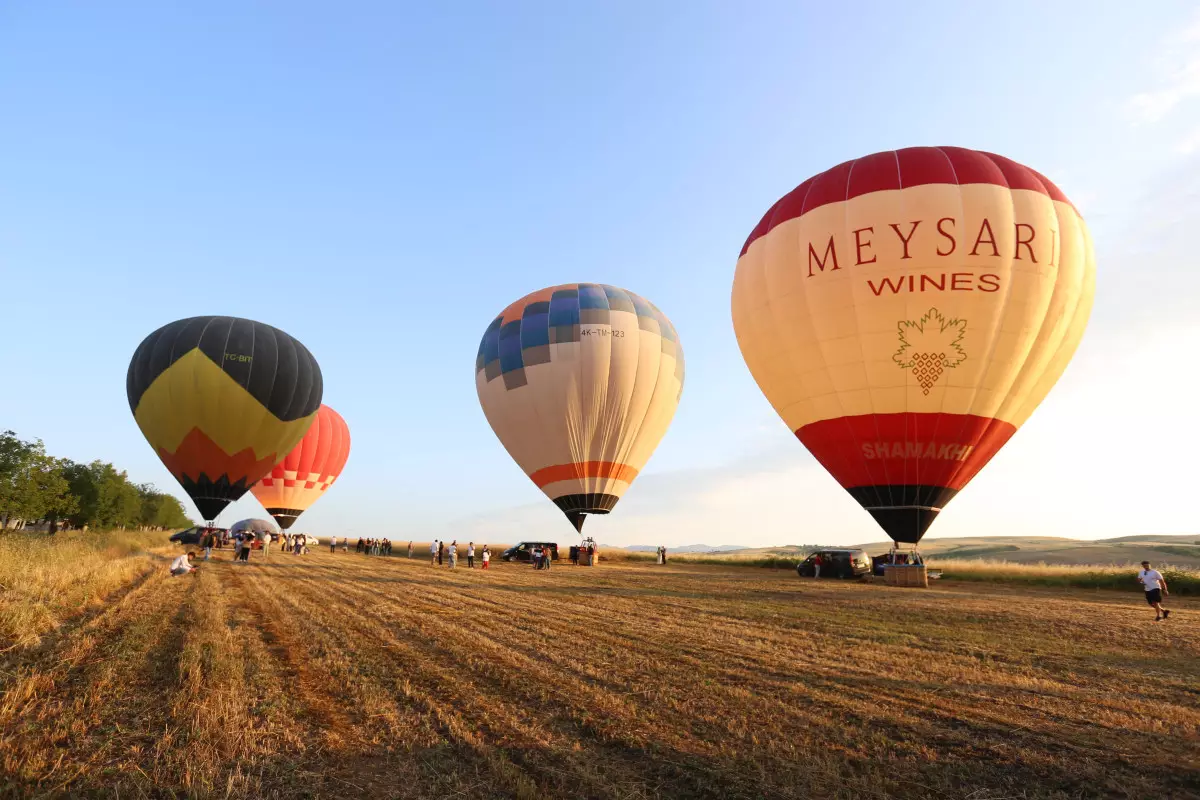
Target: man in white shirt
column 183, row 564
column 433, row 550
column 471, row 555
column 1154, row 584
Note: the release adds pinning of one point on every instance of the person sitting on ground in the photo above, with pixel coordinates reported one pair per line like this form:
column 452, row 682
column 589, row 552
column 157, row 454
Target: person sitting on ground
column 183, row 564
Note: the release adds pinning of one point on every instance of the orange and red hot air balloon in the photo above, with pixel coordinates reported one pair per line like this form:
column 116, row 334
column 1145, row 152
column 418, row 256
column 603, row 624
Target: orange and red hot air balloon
column 906, row 312
column 308, row 470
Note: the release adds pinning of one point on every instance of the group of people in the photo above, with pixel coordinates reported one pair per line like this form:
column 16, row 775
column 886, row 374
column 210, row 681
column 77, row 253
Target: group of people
column 541, row 556
column 373, row 547
column 662, row 554
column 440, row 553
column 295, row 543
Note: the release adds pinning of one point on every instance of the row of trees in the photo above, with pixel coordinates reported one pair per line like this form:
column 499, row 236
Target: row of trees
column 37, row 487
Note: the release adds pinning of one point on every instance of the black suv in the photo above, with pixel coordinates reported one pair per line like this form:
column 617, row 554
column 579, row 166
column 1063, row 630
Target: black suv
column 836, row 564
column 524, row 551
column 193, row 535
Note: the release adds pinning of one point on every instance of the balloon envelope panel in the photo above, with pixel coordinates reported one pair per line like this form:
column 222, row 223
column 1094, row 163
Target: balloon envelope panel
column 906, row 312
column 296, row 482
column 221, row 399
column 580, row 383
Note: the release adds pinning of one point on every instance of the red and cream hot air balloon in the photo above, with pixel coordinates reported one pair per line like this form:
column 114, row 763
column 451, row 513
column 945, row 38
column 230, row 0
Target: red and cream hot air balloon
column 580, row 382
column 906, row 312
column 308, row 470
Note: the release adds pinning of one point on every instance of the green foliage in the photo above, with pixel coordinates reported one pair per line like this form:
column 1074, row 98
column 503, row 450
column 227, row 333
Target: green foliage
column 35, row 486
column 32, row 484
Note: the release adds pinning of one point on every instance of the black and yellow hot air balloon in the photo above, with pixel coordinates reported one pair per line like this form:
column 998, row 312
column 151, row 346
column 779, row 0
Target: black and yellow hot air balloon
column 222, row 400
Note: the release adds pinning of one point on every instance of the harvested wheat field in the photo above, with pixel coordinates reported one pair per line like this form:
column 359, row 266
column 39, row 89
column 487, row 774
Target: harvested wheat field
column 357, row 676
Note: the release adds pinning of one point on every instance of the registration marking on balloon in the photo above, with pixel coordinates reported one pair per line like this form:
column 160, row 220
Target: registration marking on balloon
column 906, row 312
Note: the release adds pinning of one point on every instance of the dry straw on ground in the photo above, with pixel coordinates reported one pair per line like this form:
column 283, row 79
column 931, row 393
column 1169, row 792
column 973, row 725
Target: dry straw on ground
column 349, row 675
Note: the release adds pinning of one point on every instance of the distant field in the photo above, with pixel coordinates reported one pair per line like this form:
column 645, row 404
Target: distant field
column 360, row 676
column 1179, row 551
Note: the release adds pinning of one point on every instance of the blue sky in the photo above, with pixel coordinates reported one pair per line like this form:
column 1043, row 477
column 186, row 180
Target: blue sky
column 380, row 180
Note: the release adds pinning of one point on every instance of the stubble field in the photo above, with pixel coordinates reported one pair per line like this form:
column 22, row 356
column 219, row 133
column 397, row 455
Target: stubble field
column 358, row 676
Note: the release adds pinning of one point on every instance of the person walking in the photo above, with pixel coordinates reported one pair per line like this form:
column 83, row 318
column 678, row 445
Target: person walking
column 1156, row 586
column 433, row 551
column 453, row 552
column 441, row 551
column 470, row 555
column 332, row 545
column 487, row 556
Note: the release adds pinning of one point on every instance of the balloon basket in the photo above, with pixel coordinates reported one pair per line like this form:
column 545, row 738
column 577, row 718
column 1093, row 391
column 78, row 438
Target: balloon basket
column 911, row 575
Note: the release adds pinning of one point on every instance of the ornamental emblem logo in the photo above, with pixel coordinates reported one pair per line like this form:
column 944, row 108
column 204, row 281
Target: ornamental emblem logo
column 930, row 345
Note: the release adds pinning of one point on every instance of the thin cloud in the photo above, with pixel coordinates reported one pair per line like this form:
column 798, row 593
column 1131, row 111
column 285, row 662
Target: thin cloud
column 1179, row 66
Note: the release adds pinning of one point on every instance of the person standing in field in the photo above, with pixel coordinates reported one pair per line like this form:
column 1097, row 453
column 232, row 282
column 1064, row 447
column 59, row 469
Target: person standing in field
column 332, row 545
column 410, row 548
column 817, row 566
column 183, row 564
column 487, row 556
column 206, row 541
column 1156, row 586
column 470, row 555
column 441, row 551
column 453, row 552
column 433, row 548
column 547, row 556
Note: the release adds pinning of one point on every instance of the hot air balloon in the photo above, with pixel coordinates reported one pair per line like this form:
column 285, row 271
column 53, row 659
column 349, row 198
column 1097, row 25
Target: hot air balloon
column 580, row 382
column 259, row 528
column 906, row 312
column 307, row 471
column 221, row 400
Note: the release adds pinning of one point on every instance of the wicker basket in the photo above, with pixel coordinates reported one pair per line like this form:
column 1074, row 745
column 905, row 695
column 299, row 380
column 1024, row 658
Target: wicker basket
column 906, row 575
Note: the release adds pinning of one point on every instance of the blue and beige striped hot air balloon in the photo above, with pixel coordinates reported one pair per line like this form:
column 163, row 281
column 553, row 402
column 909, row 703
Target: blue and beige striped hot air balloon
column 580, row 382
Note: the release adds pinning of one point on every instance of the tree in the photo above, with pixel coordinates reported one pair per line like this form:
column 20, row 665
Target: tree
column 32, row 484
column 160, row 510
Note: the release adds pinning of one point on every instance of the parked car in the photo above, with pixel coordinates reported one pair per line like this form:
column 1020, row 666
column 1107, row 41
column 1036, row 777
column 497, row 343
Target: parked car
column 836, row 564
column 192, row 535
column 523, row 551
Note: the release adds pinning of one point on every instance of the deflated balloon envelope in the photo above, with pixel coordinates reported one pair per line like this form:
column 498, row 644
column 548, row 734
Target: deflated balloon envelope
column 906, row 312
column 296, row 482
column 580, row 382
column 221, row 400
